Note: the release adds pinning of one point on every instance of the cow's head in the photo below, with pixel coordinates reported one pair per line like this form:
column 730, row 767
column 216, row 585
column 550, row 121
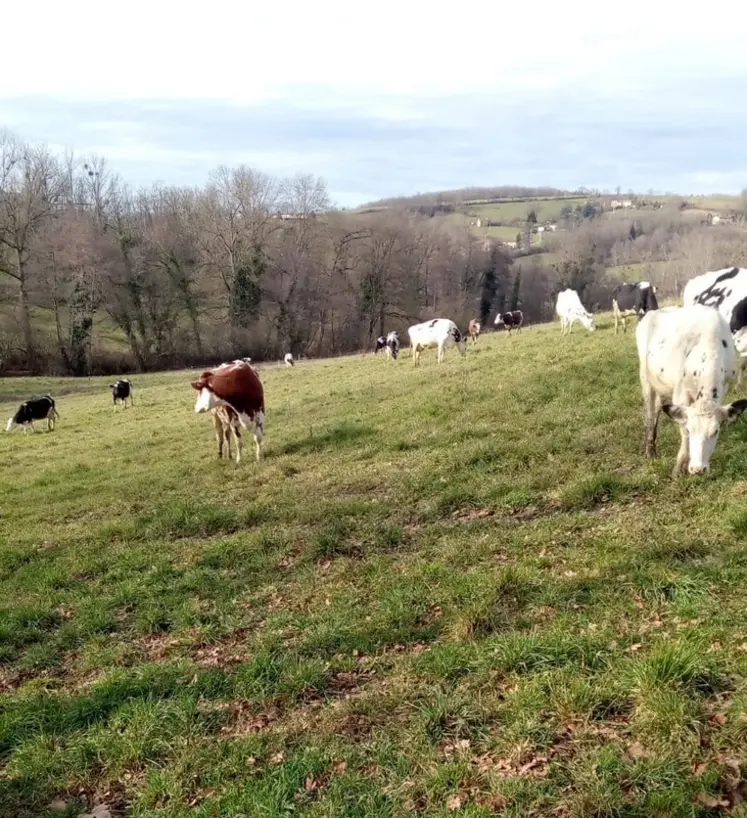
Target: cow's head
column 703, row 425
column 11, row 424
column 461, row 342
column 498, row 319
column 587, row 319
column 206, row 399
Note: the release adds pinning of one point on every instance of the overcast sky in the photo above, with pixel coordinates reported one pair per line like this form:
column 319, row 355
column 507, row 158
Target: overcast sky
column 390, row 98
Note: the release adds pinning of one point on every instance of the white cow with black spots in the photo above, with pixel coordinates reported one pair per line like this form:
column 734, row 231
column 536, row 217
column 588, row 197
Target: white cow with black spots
column 438, row 332
column 687, row 360
column 726, row 290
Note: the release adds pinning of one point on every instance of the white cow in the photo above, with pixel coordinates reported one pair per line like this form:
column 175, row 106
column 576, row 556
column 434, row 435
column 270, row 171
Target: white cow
column 570, row 309
column 440, row 332
column 288, row 359
column 687, row 360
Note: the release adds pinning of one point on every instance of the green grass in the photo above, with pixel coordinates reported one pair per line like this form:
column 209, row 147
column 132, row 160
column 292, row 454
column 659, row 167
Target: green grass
column 516, row 212
column 452, row 590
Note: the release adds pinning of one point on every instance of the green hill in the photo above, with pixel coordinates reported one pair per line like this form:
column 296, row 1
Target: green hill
column 452, row 590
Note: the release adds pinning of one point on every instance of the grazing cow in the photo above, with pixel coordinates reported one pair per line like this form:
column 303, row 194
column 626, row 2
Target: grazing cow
column 474, row 329
column 633, row 299
column 389, row 343
column 510, row 320
column 687, row 360
column 726, row 290
column 438, row 332
column 121, row 390
column 34, row 409
column 236, row 385
column 227, row 425
column 288, row 359
column 570, row 309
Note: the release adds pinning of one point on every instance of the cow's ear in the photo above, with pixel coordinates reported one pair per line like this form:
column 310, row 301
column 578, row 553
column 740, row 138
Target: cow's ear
column 732, row 412
column 677, row 413
column 197, row 385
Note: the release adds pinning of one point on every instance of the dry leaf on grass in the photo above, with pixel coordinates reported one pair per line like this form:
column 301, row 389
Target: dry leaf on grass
column 711, row 801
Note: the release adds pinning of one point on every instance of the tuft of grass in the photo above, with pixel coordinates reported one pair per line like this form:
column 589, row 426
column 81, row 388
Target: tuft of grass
column 595, row 490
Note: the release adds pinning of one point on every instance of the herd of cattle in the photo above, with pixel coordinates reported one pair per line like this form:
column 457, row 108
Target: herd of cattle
column 688, row 357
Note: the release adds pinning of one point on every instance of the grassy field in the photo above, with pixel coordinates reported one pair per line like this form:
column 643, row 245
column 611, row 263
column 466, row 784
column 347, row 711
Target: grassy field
column 517, row 211
column 458, row 590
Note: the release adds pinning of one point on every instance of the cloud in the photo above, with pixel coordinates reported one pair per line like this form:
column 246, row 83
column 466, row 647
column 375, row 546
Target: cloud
column 395, row 99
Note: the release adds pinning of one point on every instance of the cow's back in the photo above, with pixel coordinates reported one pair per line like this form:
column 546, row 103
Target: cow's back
column 680, row 344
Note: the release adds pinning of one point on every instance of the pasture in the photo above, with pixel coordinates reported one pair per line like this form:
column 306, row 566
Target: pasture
column 456, row 590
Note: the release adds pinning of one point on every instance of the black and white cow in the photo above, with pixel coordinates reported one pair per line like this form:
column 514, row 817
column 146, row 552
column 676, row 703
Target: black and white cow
column 726, row 290
column 389, row 343
column 34, row 409
column 510, row 320
column 635, row 298
column 121, row 390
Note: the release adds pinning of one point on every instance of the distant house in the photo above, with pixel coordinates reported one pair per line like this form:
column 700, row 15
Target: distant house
column 292, row 217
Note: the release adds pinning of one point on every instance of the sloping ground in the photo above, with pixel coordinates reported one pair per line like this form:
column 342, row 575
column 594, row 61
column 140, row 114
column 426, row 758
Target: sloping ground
column 452, row 591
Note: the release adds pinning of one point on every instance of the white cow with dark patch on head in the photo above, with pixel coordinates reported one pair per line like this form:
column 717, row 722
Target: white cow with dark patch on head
column 687, row 360
column 570, row 309
column 438, row 332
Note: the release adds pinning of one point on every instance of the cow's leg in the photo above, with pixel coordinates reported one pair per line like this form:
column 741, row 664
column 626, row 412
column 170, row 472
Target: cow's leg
column 683, row 455
column 238, row 442
column 218, row 425
column 625, row 323
column 616, row 322
column 259, row 422
column 651, row 412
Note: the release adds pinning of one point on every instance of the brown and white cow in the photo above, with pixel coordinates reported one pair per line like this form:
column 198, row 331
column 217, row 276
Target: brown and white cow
column 238, row 386
column 474, row 329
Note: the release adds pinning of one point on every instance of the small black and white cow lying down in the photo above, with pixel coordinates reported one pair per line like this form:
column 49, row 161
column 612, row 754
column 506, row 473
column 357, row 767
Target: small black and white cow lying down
column 633, row 299
column 514, row 319
column 389, row 343
column 121, row 390
column 687, row 361
column 34, row 409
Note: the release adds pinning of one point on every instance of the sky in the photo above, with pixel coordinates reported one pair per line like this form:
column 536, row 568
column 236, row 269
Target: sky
column 390, row 98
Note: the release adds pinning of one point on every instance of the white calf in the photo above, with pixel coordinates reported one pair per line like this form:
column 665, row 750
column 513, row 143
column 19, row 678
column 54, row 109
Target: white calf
column 570, row 309
column 438, row 332
column 687, row 357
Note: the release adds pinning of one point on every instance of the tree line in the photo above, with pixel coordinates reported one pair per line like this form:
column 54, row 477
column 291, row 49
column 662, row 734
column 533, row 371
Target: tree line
column 98, row 278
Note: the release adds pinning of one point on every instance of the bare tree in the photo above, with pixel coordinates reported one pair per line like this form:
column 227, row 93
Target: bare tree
column 31, row 187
